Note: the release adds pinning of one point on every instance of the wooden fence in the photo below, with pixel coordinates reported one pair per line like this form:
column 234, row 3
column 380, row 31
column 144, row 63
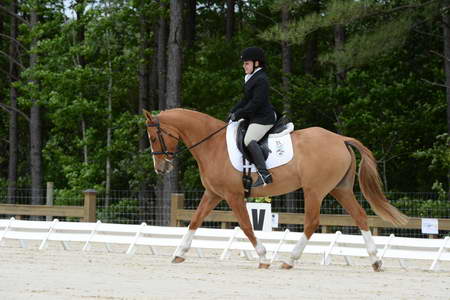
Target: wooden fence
column 87, row 212
column 179, row 214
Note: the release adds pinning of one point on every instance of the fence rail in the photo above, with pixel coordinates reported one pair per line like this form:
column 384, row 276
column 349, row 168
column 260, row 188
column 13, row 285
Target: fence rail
column 179, row 214
column 135, row 207
column 87, row 212
column 227, row 240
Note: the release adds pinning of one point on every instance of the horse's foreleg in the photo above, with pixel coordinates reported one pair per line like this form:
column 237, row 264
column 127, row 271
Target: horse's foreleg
column 312, row 217
column 237, row 205
column 183, row 247
column 208, row 202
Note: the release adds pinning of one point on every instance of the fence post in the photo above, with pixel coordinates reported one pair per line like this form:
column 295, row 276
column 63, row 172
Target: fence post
column 49, row 198
column 375, row 231
column 176, row 203
column 89, row 205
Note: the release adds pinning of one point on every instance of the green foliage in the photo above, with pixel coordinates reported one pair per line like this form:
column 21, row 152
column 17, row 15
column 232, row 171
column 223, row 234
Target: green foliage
column 259, row 199
column 69, row 196
column 384, row 103
column 375, row 29
column 363, row 48
column 191, row 179
column 123, row 212
column 439, row 189
column 208, row 85
column 336, row 12
column 385, row 100
column 439, row 154
column 424, row 209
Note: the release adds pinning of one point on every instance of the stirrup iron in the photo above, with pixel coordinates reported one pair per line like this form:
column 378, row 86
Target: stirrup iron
column 263, row 179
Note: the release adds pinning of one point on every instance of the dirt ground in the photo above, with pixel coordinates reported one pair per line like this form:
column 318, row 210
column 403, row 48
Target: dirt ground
column 58, row 274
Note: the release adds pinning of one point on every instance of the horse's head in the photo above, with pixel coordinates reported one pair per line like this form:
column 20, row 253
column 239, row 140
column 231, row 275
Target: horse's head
column 163, row 143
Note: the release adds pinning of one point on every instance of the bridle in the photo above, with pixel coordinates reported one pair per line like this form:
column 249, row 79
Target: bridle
column 160, row 131
column 164, row 151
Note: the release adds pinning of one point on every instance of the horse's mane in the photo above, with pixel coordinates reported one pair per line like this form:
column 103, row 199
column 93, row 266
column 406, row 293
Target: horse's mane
column 195, row 114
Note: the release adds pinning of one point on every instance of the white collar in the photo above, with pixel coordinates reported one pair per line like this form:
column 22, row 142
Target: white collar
column 248, row 76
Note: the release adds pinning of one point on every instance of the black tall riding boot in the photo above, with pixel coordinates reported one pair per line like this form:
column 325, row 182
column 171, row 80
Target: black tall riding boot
column 258, row 159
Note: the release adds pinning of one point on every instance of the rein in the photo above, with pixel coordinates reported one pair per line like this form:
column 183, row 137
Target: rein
column 164, row 151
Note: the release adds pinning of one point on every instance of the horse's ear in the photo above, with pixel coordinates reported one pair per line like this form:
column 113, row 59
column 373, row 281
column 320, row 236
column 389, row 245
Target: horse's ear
column 147, row 115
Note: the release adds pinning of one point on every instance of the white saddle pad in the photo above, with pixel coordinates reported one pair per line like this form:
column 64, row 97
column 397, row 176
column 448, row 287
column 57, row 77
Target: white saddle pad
column 280, row 145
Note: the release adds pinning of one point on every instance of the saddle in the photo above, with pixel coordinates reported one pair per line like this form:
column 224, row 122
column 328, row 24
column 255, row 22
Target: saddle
column 280, row 126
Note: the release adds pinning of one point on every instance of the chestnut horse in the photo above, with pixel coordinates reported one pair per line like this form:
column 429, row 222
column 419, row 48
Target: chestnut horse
column 323, row 163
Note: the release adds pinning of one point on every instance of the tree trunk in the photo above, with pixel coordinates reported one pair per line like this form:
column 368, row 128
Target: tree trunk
column 109, row 133
column 341, row 74
column 84, row 137
column 173, row 97
column 161, row 53
column 109, row 110
column 81, row 60
column 240, row 13
column 339, row 39
column 79, row 9
column 110, row 120
column 35, row 129
column 143, row 91
column 143, row 104
column 3, row 19
column 153, row 100
column 446, row 33
column 230, row 19
column 311, row 54
column 190, row 22
column 311, row 46
column 174, row 56
column 13, row 133
column 286, row 60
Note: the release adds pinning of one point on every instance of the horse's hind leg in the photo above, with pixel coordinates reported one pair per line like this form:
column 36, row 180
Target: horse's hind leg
column 312, row 220
column 344, row 195
column 207, row 203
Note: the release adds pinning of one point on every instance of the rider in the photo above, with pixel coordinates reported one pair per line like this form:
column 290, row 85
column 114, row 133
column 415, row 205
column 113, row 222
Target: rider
column 256, row 108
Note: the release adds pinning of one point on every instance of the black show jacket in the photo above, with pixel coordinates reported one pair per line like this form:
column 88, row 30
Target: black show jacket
column 255, row 106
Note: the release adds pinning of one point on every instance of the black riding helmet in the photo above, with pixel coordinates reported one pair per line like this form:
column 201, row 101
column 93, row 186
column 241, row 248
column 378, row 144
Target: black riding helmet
column 254, row 54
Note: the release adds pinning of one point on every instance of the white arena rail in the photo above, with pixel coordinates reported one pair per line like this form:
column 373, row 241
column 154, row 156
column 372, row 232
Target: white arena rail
column 327, row 245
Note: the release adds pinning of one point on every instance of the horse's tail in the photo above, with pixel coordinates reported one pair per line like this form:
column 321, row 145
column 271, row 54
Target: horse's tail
column 371, row 186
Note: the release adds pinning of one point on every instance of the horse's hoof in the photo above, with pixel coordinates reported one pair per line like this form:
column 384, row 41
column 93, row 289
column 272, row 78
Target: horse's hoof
column 286, row 266
column 263, row 266
column 377, row 266
column 178, row 259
